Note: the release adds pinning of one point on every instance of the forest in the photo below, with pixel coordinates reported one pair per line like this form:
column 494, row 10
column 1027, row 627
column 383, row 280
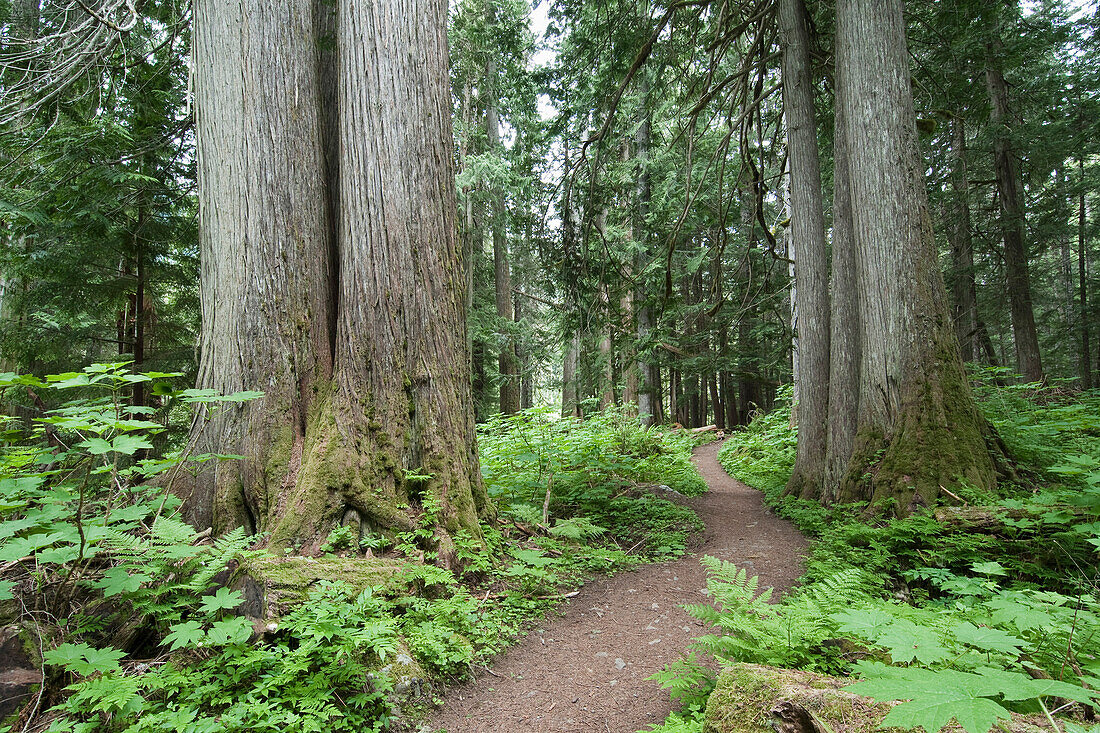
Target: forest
column 679, row 366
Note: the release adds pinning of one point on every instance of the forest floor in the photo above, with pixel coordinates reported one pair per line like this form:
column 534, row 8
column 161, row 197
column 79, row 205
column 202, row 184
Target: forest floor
column 585, row 670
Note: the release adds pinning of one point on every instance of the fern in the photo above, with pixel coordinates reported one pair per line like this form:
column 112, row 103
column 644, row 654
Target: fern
column 750, row 629
column 227, row 548
column 577, row 529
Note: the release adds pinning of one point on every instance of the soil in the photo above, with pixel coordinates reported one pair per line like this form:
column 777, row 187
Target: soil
column 586, row 671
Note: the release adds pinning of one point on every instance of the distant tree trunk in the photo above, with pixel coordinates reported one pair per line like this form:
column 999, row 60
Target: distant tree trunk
column 1013, row 227
column 716, row 401
column 844, row 342
column 649, row 373
column 1082, row 280
column 502, row 271
column 750, row 395
column 919, row 428
column 25, row 18
column 332, row 278
column 570, row 399
column 963, row 287
column 606, row 380
column 808, row 242
column 675, row 407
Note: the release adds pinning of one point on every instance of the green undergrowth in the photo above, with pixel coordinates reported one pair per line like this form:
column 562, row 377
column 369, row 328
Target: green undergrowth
column 970, row 612
column 141, row 623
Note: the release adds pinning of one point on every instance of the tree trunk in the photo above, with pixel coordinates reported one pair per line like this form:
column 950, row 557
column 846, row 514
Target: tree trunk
column 502, row 272
column 1013, row 227
column 963, row 286
column 844, row 342
column 919, row 428
column 1082, row 281
column 649, row 374
column 332, row 277
column 570, row 399
column 808, row 243
column 25, row 17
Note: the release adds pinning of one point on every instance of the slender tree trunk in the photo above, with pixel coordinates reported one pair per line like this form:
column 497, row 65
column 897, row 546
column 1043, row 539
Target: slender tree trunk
column 919, row 428
column 963, row 286
column 332, row 277
column 607, row 360
column 570, row 399
column 502, row 272
column 1013, row 227
column 1082, row 280
column 649, row 374
column 25, row 19
column 844, row 342
column 808, row 243
column 749, row 391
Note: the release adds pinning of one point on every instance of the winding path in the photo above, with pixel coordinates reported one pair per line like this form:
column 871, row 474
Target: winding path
column 585, row 671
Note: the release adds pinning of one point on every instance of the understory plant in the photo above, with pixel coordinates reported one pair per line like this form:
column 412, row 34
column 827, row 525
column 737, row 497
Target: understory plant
column 971, row 612
column 136, row 629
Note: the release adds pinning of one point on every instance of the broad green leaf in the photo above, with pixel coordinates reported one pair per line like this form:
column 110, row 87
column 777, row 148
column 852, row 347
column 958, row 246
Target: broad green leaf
column 223, row 599
column 130, row 444
column 905, row 641
column 1014, row 608
column 534, row 558
column 935, row 697
column 236, row 630
column 986, row 639
column 96, row 446
column 6, row 590
column 932, row 711
column 988, row 568
column 62, row 554
column 866, row 623
column 21, row 486
column 117, row 581
column 185, row 634
column 84, row 660
column 1055, row 688
column 68, row 380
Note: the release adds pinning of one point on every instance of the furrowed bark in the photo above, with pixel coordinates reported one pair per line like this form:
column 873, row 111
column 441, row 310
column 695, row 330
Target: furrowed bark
column 808, row 242
column 333, row 279
column 919, row 427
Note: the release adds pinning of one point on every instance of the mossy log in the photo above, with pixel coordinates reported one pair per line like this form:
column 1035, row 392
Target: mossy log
column 20, row 672
column 272, row 586
column 989, row 520
column 752, row 698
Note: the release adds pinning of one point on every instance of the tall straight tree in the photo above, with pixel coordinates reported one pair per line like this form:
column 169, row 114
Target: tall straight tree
column 1010, row 190
column 332, row 276
column 808, row 240
column 918, row 428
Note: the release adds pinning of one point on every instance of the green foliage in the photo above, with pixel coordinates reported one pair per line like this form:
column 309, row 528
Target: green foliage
column 593, row 472
column 995, row 623
column 316, row 672
column 84, row 503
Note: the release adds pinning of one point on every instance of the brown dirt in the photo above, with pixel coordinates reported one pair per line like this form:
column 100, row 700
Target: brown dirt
column 585, row 672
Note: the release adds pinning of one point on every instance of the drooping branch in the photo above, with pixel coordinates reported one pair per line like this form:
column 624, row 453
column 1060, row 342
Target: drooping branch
column 76, row 40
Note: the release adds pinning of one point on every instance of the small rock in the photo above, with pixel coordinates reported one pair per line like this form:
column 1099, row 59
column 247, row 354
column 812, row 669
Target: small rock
column 575, row 700
column 601, row 655
column 619, row 663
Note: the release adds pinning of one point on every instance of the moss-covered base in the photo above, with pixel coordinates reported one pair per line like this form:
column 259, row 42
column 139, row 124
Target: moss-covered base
column 935, row 438
column 274, row 585
column 752, row 698
column 337, row 468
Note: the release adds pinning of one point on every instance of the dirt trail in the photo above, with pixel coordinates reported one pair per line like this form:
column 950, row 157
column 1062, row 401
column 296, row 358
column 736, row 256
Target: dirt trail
column 585, row 672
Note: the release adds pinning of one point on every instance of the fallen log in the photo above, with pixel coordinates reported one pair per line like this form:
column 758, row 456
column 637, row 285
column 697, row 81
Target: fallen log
column 752, row 698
